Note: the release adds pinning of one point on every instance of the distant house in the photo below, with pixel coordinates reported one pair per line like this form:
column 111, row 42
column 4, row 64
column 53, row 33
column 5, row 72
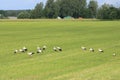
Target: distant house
column 12, row 17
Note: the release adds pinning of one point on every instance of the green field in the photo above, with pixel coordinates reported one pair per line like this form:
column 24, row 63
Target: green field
column 70, row 64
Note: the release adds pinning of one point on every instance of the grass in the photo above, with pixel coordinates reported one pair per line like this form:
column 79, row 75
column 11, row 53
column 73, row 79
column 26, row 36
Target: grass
column 70, row 64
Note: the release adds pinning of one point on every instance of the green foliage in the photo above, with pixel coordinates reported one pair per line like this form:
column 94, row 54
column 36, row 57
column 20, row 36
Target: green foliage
column 113, row 13
column 72, row 8
column 2, row 14
column 82, row 4
column 51, row 9
column 93, row 8
column 38, row 11
column 118, row 13
column 23, row 15
column 14, row 12
column 63, row 8
column 108, row 12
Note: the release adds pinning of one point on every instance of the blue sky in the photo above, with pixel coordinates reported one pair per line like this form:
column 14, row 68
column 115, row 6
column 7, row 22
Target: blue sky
column 30, row 4
column 18, row 4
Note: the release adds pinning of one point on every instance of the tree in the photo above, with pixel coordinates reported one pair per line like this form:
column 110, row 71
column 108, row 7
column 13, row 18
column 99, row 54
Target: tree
column 103, row 12
column 107, row 11
column 81, row 7
column 92, row 6
column 23, row 15
column 74, row 8
column 118, row 13
column 38, row 11
column 66, row 8
column 2, row 14
column 113, row 13
column 51, row 9
column 86, row 13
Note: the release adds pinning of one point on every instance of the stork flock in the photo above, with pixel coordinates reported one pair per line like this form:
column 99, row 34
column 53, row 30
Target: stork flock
column 55, row 48
column 92, row 50
column 38, row 50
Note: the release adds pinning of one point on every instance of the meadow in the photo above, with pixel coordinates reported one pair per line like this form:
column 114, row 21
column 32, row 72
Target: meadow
column 70, row 64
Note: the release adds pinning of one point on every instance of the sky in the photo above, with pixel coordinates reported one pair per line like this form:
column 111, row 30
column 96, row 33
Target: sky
column 30, row 4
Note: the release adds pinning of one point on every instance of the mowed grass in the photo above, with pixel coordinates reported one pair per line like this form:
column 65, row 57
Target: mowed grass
column 70, row 64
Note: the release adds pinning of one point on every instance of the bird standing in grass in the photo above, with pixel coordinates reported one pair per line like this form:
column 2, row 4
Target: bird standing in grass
column 21, row 50
column 59, row 48
column 39, row 51
column 91, row 49
column 54, row 48
column 38, row 48
column 16, row 51
column 31, row 53
column 44, row 47
column 114, row 54
column 100, row 50
column 24, row 48
column 83, row 48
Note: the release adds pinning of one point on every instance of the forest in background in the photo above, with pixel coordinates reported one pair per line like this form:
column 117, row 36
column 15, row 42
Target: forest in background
column 63, row 8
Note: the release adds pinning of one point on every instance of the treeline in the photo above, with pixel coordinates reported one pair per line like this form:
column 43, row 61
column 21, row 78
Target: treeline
column 73, row 8
column 6, row 13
